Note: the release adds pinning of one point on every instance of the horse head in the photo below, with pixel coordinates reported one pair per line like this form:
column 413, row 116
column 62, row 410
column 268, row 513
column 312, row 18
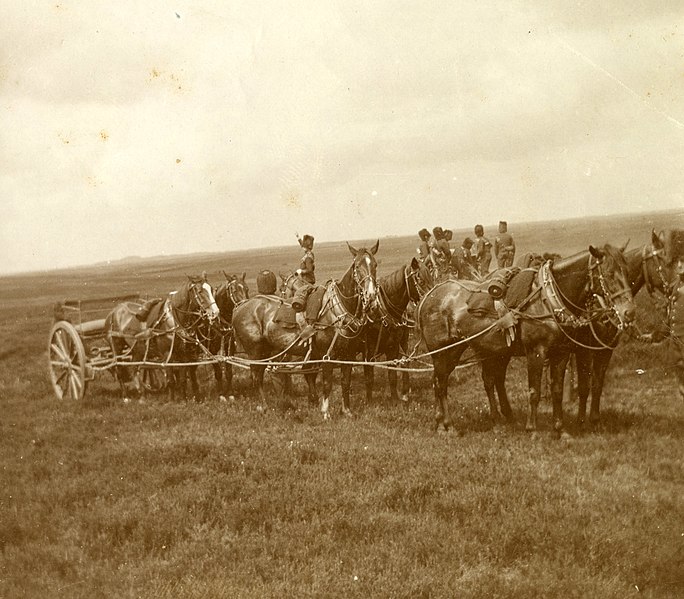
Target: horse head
column 236, row 288
column 657, row 271
column 419, row 280
column 609, row 284
column 201, row 299
column 364, row 270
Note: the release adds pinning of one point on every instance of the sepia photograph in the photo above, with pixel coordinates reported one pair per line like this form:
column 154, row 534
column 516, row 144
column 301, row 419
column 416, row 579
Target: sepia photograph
column 342, row 299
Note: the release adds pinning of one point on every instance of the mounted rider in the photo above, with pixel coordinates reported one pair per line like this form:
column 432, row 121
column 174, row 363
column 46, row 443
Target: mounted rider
column 308, row 298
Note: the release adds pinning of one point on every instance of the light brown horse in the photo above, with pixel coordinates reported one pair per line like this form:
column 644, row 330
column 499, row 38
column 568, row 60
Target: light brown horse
column 567, row 296
column 170, row 333
column 337, row 335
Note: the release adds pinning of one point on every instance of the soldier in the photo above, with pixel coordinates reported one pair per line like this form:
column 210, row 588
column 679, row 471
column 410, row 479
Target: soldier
column 424, row 247
column 483, row 251
column 307, row 266
column 504, row 246
column 308, row 298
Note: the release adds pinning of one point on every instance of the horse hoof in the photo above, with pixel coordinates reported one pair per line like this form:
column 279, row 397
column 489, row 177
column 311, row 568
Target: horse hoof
column 326, row 416
column 127, row 400
column 405, row 398
column 261, row 409
column 231, row 398
column 222, row 398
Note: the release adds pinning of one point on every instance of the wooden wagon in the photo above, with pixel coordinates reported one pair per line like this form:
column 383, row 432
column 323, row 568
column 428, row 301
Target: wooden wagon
column 78, row 346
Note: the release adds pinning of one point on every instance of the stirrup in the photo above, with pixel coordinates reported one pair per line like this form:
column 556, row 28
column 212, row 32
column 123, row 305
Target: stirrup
column 307, row 332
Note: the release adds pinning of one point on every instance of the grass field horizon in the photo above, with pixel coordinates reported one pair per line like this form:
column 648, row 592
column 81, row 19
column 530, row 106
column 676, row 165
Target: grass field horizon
column 216, row 499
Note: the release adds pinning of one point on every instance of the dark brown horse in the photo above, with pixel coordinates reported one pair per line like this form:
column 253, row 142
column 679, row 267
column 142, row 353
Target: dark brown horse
column 565, row 297
column 168, row 335
column 387, row 332
column 229, row 294
column 345, row 306
column 646, row 265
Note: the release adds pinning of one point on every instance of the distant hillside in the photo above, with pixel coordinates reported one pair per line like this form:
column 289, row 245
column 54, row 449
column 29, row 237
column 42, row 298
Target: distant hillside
column 562, row 236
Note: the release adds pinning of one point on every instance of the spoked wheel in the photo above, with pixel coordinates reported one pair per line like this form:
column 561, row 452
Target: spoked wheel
column 67, row 364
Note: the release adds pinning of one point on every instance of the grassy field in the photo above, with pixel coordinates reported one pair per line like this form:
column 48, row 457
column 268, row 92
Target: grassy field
column 211, row 499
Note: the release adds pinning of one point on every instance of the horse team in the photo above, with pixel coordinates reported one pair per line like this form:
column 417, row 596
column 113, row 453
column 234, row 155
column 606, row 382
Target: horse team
column 580, row 304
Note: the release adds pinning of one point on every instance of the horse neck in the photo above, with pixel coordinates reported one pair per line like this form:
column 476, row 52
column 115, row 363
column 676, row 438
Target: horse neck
column 183, row 304
column 572, row 277
column 635, row 268
column 347, row 286
column 393, row 286
column 224, row 301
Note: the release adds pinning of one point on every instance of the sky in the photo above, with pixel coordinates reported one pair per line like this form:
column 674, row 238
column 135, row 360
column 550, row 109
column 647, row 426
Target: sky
column 160, row 127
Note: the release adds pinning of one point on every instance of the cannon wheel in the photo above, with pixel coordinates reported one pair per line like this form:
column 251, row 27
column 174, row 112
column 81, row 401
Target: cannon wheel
column 67, row 362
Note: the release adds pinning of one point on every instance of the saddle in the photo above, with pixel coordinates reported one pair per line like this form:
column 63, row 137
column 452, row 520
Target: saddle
column 144, row 311
column 515, row 289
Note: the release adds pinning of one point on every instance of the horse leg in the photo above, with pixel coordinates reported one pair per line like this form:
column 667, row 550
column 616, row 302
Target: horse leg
column 310, row 378
column 489, row 379
column 369, row 379
column 228, row 371
column 500, row 382
column 218, row 378
column 535, row 368
column 257, row 373
column 584, row 359
column 327, row 371
column 601, row 361
column 192, row 371
column 405, row 380
column 557, row 365
column 443, row 364
column 345, row 381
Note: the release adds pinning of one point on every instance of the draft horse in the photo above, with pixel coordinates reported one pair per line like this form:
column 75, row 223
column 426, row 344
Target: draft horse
column 566, row 296
column 646, row 266
column 388, row 327
column 337, row 335
column 231, row 293
column 169, row 333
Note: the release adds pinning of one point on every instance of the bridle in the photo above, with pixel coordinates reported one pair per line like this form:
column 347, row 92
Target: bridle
column 413, row 276
column 653, row 253
column 360, row 282
column 603, row 295
column 231, row 288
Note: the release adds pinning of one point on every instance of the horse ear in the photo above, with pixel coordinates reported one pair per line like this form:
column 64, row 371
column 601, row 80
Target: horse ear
column 658, row 240
column 204, row 276
column 283, row 277
column 596, row 253
column 374, row 249
column 624, row 247
column 352, row 249
column 244, row 274
column 415, row 265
